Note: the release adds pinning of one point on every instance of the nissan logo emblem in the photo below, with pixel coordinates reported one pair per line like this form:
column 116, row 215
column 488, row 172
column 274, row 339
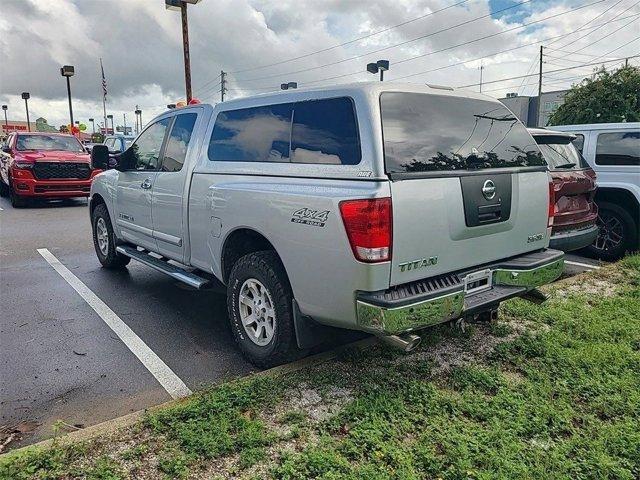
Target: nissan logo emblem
column 489, row 189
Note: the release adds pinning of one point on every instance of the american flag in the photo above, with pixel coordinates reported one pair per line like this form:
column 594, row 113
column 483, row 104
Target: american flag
column 104, row 81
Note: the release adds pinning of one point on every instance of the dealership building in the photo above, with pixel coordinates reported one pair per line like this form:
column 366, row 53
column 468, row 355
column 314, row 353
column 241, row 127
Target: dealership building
column 525, row 108
column 40, row 125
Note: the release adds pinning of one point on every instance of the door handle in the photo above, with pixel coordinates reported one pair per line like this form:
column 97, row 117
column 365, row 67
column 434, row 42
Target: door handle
column 146, row 184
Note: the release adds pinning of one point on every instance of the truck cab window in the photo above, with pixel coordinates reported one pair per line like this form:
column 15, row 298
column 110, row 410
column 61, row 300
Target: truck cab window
column 178, row 142
column 145, row 152
column 256, row 134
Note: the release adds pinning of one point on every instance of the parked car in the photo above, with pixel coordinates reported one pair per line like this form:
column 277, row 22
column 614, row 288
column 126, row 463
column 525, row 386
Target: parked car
column 574, row 182
column 118, row 143
column 44, row 165
column 89, row 146
column 613, row 151
column 380, row 207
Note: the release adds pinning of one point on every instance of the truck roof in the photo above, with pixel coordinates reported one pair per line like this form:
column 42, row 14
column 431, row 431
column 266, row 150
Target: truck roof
column 598, row 126
column 348, row 89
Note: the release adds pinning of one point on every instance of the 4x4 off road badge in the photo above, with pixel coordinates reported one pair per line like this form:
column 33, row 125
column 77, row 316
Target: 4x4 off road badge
column 308, row 216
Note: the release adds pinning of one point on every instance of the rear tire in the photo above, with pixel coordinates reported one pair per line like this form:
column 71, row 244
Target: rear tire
column 259, row 302
column 104, row 240
column 618, row 233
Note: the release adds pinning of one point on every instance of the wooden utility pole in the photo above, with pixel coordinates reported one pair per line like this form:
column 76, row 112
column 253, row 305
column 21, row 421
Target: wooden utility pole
column 185, row 46
column 538, row 109
column 223, row 84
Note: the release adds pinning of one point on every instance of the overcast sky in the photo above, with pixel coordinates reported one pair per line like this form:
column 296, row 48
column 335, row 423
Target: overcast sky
column 140, row 43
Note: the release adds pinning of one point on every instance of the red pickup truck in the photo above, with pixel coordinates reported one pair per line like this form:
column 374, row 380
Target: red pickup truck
column 44, row 165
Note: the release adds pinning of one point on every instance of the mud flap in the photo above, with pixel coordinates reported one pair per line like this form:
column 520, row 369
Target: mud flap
column 309, row 333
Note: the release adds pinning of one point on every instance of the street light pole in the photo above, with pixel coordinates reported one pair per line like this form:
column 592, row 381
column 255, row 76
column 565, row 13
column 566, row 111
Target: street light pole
column 6, row 123
column 68, row 72
column 124, row 116
column 26, row 96
column 182, row 6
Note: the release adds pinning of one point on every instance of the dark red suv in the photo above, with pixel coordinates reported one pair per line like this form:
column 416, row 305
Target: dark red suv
column 574, row 183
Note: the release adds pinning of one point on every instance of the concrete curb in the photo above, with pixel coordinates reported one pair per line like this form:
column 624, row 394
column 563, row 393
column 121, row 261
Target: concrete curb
column 115, row 424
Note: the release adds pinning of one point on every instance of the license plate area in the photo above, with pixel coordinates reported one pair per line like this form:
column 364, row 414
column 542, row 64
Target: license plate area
column 478, row 281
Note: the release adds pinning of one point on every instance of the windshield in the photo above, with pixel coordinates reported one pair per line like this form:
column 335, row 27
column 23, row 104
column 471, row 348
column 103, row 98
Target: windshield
column 424, row 133
column 48, row 142
column 561, row 156
column 128, row 142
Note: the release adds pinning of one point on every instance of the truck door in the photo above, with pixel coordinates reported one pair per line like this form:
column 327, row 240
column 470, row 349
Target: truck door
column 134, row 189
column 168, row 189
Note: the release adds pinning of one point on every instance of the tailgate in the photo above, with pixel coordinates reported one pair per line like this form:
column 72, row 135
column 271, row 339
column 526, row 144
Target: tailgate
column 469, row 184
column 430, row 231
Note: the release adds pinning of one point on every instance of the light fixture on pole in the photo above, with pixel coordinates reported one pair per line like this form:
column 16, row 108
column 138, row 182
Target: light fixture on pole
column 110, row 117
column 93, row 125
column 25, row 97
column 138, row 113
column 181, row 5
column 6, row 124
column 287, row 86
column 380, row 66
column 68, row 71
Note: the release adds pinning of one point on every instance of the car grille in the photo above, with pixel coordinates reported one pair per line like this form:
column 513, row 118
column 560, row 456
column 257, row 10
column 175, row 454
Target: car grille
column 48, row 170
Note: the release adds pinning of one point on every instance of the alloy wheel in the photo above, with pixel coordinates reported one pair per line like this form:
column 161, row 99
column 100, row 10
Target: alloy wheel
column 102, row 235
column 611, row 232
column 257, row 312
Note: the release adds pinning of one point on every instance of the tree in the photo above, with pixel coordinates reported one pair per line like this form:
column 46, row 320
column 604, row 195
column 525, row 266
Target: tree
column 605, row 98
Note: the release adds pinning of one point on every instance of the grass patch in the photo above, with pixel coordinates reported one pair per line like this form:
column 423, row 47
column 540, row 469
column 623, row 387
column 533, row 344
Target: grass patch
column 550, row 391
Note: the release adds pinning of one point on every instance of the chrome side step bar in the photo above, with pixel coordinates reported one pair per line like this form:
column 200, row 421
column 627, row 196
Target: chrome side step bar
column 163, row 266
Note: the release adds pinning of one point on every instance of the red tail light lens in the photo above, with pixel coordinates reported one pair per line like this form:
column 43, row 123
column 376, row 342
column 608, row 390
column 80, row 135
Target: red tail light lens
column 368, row 223
column 552, row 203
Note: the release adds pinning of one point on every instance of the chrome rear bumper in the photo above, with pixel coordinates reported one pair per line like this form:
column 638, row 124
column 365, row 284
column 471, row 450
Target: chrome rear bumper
column 440, row 299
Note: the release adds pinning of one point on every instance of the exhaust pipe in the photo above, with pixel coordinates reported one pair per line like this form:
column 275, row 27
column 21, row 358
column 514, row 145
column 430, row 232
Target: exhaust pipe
column 406, row 342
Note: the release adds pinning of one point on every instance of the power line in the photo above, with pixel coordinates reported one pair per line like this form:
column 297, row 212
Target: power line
column 350, row 41
column 572, row 10
column 551, row 71
column 544, row 40
column 593, row 19
column 421, row 37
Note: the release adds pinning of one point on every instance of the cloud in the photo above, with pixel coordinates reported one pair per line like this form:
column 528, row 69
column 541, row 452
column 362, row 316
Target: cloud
column 141, row 46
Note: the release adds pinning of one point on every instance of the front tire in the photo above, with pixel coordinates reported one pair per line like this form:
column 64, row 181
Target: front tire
column 4, row 188
column 104, row 240
column 259, row 301
column 618, row 233
column 16, row 200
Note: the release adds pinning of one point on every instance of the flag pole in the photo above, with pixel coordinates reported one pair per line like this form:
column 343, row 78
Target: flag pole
column 104, row 99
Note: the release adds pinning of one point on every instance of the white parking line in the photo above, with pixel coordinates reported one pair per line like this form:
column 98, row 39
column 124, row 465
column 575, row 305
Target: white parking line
column 167, row 378
column 585, row 265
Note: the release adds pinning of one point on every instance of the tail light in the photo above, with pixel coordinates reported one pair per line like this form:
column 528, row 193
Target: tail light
column 368, row 223
column 552, row 203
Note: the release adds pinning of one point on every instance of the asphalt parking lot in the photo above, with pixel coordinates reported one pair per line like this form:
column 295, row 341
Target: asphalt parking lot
column 63, row 363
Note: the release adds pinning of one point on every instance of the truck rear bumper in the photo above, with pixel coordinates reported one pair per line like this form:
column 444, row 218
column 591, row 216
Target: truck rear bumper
column 419, row 304
column 574, row 239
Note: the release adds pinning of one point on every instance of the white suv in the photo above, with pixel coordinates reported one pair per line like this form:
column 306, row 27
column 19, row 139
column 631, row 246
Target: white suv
column 613, row 151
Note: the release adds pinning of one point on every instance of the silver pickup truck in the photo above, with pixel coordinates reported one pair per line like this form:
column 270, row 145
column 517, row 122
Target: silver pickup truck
column 380, row 207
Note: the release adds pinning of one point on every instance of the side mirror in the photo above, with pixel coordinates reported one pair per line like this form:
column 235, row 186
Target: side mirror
column 100, row 157
column 6, row 149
